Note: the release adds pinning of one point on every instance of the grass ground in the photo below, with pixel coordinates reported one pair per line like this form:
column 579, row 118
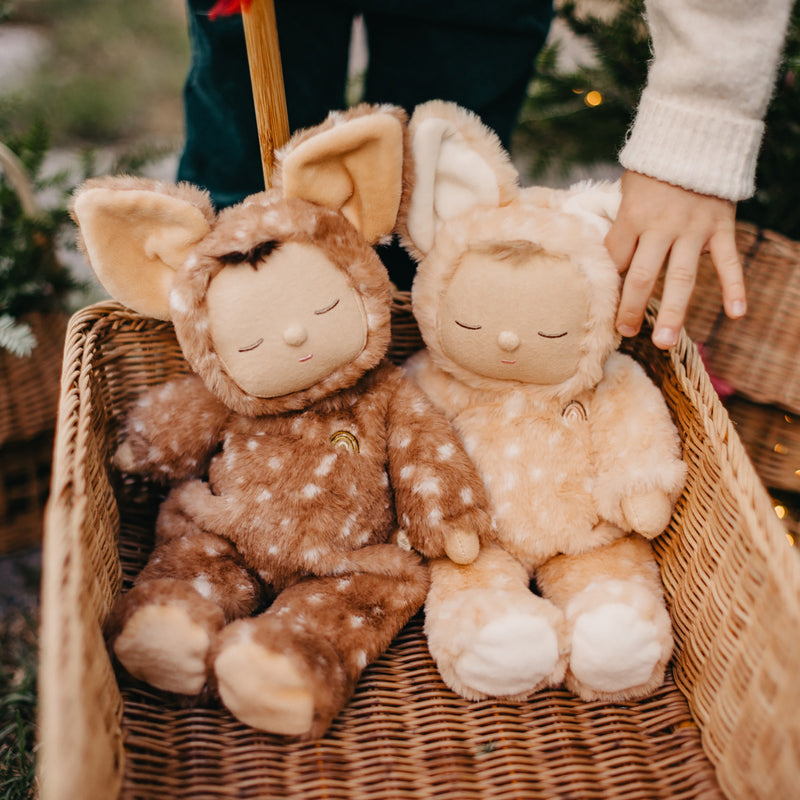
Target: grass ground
column 19, row 622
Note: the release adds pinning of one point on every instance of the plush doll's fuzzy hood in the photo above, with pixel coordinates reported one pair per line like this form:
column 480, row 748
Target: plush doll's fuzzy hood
column 461, row 191
column 538, row 217
column 156, row 247
column 268, row 217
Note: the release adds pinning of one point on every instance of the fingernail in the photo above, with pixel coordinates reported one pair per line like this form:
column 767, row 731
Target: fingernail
column 664, row 337
column 738, row 309
column 627, row 330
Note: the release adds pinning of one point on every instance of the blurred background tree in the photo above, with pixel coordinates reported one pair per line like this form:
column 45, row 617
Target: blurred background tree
column 577, row 114
column 108, row 71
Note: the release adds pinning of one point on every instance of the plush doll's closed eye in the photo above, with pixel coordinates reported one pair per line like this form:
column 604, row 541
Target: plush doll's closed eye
column 515, row 296
column 296, row 450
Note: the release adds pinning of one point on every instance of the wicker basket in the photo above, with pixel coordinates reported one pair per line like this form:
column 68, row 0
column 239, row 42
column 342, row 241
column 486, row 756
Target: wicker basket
column 28, row 404
column 725, row 723
column 757, row 356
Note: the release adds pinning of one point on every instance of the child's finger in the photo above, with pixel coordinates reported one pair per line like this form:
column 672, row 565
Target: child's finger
column 726, row 260
column 639, row 282
column 678, row 287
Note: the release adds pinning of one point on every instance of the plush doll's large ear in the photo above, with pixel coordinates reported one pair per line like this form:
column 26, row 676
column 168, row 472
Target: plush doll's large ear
column 354, row 164
column 594, row 203
column 136, row 233
column 458, row 164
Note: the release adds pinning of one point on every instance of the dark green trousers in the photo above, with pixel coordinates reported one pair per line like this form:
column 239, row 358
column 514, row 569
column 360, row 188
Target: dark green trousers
column 477, row 54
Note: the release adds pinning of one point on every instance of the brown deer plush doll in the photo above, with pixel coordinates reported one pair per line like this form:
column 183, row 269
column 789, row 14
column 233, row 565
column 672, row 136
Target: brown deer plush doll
column 297, row 456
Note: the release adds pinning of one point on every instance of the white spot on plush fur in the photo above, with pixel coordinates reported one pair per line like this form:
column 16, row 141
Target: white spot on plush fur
column 536, row 473
column 343, row 584
column 430, row 487
column 404, row 441
column 512, row 450
column 509, row 481
column 315, row 599
column 274, row 463
column 435, row 516
column 252, row 444
column 263, row 496
column 203, row 586
column 613, row 648
column 311, row 490
column 361, row 659
column 407, row 472
column 445, row 451
column 467, row 497
column 363, row 538
column 326, row 465
column 176, row 302
column 356, row 621
column 347, row 528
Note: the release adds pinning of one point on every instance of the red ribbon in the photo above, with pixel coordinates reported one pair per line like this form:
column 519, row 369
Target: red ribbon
column 227, row 8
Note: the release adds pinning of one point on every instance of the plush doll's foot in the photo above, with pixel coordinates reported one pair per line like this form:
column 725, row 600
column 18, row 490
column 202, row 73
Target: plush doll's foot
column 621, row 640
column 497, row 644
column 261, row 687
column 162, row 631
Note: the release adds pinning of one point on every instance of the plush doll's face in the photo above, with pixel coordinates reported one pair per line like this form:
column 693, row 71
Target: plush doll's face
column 512, row 312
column 286, row 322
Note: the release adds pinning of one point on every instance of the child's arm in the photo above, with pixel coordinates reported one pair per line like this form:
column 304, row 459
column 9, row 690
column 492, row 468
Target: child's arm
column 698, row 130
column 440, row 499
column 172, row 431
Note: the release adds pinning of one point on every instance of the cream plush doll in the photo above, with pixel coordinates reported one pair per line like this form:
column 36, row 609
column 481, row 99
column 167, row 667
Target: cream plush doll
column 515, row 296
column 295, row 447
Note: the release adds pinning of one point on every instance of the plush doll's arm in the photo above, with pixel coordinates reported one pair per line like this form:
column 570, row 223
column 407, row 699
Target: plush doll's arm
column 172, row 431
column 441, row 389
column 640, row 472
column 440, row 499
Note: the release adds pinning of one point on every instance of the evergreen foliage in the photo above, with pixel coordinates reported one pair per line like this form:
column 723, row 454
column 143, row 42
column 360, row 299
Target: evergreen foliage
column 31, row 276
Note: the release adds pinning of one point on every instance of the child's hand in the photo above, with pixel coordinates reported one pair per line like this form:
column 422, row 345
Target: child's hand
column 660, row 223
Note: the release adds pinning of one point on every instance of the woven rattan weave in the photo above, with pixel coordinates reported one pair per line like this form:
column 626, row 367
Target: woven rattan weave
column 28, row 403
column 726, row 722
column 757, row 354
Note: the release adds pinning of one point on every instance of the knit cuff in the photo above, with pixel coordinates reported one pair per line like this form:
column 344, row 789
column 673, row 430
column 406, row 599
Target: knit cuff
column 697, row 149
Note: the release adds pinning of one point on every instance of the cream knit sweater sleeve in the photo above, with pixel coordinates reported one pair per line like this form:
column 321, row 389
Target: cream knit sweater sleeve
column 699, row 121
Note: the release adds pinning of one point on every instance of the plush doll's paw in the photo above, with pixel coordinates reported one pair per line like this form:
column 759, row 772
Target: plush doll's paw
column 648, row 514
column 621, row 640
column 492, row 646
column 164, row 640
column 461, row 547
column 262, row 688
column 124, row 459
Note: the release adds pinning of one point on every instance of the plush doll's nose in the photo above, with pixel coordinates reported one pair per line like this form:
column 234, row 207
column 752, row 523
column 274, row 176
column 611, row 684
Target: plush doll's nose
column 508, row 341
column 295, row 335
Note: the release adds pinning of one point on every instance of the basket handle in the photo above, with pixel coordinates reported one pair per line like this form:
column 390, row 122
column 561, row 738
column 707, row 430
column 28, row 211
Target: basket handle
column 18, row 178
column 266, row 77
